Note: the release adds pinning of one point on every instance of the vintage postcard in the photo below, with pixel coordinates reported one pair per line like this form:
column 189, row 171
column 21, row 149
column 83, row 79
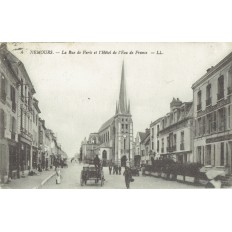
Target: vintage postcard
column 115, row 115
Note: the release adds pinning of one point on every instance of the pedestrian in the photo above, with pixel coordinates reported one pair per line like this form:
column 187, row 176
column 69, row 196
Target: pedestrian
column 128, row 176
column 116, row 169
column 119, row 169
column 110, row 168
column 113, row 169
column 58, row 175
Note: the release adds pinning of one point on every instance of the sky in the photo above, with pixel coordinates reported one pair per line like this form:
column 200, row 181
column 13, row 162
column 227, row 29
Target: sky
column 77, row 92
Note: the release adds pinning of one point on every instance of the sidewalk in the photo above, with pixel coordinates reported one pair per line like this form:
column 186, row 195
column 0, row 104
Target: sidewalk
column 30, row 182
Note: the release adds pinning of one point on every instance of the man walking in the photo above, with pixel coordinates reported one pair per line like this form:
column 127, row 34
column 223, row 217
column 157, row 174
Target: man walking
column 128, row 176
column 110, row 168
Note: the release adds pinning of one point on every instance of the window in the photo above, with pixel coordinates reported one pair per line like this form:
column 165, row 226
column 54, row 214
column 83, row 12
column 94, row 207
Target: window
column 21, row 118
column 3, row 88
column 203, row 125
column 13, row 128
column 199, row 154
column 221, row 119
column 2, row 123
column 208, row 95
column 174, row 142
column 199, row 129
column 229, row 74
column 158, row 146
column 214, row 121
column 152, row 145
column 162, row 144
column 126, row 126
column 182, row 141
column 12, row 96
column 208, row 123
column 158, row 130
column 222, row 155
column 122, row 126
column 208, row 155
column 152, row 132
column 229, row 117
column 220, row 88
column 199, row 100
column 22, row 88
column 124, row 144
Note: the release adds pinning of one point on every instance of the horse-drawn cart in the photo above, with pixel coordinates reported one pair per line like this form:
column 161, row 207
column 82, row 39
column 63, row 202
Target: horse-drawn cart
column 90, row 172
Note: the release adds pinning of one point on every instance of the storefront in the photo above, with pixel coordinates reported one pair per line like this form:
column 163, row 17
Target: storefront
column 25, row 154
column 4, row 160
column 13, row 159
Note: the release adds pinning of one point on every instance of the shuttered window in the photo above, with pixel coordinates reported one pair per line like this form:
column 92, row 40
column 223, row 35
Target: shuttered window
column 2, row 123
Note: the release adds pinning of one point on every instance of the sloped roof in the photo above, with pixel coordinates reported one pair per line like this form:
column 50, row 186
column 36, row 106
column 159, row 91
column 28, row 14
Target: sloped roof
column 141, row 135
column 146, row 135
column 106, row 124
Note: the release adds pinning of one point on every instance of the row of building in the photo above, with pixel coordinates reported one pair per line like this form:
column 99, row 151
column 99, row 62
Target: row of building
column 196, row 131
column 25, row 142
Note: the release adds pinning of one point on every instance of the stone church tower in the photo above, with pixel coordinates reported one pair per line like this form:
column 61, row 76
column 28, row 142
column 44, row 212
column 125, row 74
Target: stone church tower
column 123, row 125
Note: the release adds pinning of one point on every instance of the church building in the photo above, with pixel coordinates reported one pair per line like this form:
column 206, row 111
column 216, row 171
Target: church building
column 114, row 139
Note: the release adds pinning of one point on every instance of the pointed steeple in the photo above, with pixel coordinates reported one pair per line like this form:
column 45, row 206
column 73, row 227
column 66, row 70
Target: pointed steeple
column 128, row 108
column 122, row 95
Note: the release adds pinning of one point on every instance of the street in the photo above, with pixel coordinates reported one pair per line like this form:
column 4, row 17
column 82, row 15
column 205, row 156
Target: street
column 71, row 180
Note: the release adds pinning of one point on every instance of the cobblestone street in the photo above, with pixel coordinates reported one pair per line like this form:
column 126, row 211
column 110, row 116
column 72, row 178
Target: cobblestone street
column 71, row 180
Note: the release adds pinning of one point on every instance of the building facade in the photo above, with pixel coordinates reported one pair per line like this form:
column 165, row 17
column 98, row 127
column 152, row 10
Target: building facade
column 212, row 95
column 8, row 116
column 114, row 139
column 176, row 132
column 154, row 138
column 145, row 148
column 35, row 133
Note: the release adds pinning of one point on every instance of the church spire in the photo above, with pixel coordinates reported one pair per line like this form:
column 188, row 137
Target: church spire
column 128, row 109
column 122, row 95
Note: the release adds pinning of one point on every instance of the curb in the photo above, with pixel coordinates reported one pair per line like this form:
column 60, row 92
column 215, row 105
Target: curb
column 44, row 181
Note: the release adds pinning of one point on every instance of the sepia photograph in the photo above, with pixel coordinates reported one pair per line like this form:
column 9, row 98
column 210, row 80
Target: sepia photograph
column 115, row 115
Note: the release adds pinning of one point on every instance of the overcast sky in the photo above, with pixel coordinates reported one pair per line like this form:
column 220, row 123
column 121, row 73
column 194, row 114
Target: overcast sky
column 77, row 92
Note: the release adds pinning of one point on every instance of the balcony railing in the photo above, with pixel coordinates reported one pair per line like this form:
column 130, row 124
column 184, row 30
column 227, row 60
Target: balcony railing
column 182, row 146
column 220, row 96
column 199, row 107
column 229, row 90
column 171, row 149
column 208, row 101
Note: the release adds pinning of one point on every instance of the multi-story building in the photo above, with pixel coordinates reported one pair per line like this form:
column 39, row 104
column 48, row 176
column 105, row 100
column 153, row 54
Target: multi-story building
column 35, row 129
column 212, row 113
column 176, row 132
column 9, row 82
column 154, row 138
column 145, row 148
column 26, row 117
